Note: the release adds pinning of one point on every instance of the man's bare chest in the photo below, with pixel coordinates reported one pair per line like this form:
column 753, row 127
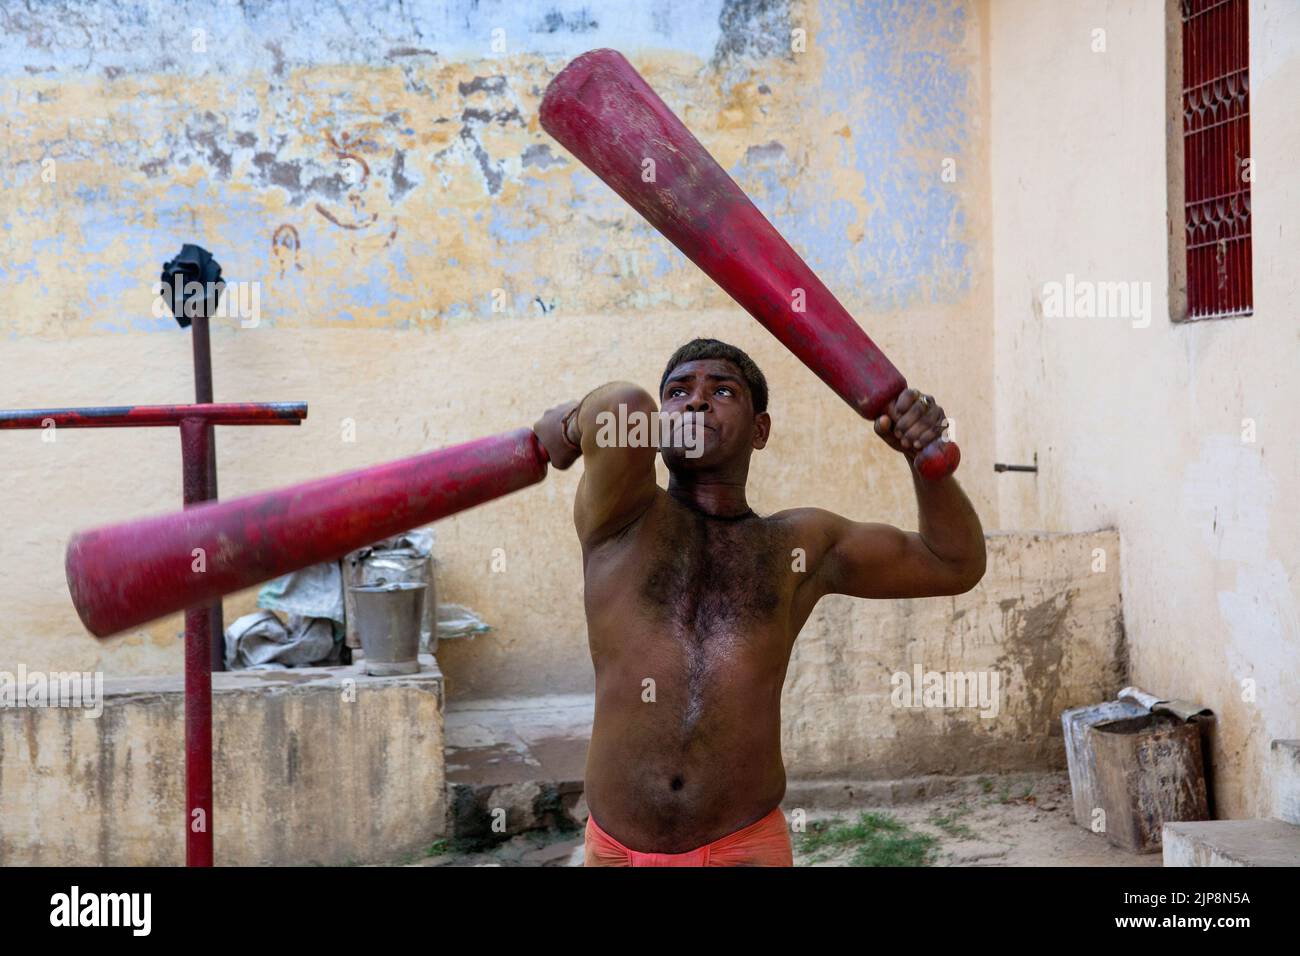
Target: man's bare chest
column 702, row 578
column 701, row 605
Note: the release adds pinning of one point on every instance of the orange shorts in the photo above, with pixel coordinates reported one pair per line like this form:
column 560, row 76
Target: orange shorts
column 765, row 842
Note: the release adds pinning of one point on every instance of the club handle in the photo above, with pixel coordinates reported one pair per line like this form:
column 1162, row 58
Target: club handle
column 939, row 459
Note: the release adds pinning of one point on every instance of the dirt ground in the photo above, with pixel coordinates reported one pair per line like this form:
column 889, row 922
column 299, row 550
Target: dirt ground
column 1018, row 820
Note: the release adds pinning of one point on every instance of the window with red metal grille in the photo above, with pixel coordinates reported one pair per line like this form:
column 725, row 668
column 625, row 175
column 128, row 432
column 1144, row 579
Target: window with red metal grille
column 1216, row 157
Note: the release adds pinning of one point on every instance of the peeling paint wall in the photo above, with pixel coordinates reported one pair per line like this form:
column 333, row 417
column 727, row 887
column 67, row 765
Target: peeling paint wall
column 1144, row 428
column 379, row 169
column 1042, row 633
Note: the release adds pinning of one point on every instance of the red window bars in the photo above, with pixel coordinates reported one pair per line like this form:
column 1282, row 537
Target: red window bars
column 1216, row 154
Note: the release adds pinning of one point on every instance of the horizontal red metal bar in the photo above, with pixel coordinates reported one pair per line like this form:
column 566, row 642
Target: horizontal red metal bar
column 141, row 416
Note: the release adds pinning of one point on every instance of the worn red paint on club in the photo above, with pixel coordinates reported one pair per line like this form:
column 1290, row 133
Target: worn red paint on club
column 604, row 113
column 125, row 575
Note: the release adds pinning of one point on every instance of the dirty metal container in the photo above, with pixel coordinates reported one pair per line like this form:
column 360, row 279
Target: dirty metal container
column 1149, row 772
column 407, row 558
column 1079, row 755
column 388, row 624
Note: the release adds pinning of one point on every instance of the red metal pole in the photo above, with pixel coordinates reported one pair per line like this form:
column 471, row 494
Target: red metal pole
column 196, row 458
column 203, row 395
column 196, row 426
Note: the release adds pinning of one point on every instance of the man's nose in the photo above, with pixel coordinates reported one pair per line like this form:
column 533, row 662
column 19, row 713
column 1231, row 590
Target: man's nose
column 697, row 403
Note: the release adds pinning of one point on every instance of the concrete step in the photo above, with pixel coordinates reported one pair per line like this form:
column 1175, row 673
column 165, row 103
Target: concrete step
column 516, row 764
column 1285, row 771
column 1231, row 843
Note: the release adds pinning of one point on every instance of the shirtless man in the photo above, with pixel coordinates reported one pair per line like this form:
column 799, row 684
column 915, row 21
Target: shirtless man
column 693, row 604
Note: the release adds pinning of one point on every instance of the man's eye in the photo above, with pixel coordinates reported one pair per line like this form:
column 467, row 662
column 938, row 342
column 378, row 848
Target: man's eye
column 724, row 388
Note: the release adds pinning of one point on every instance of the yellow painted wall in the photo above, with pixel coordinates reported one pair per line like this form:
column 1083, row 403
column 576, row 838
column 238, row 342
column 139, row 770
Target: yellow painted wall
column 417, row 180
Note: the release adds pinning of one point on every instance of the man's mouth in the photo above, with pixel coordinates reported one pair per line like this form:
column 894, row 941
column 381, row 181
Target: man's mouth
column 695, row 422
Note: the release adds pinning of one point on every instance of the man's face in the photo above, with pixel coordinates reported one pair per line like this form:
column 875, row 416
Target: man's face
column 711, row 395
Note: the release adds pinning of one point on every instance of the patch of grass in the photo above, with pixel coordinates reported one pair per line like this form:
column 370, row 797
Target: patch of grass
column 950, row 823
column 439, row 848
column 1025, row 793
column 986, row 785
column 877, row 839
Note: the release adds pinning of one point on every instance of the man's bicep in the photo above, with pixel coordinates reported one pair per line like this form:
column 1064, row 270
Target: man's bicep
column 871, row 560
column 618, row 479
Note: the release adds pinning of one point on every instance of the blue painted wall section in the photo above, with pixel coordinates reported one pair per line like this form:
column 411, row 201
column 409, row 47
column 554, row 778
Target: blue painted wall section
column 447, row 186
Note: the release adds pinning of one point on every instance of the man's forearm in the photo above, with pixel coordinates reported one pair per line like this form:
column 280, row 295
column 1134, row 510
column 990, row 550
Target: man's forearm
column 605, row 398
column 570, row 429
column 949, row 525
column 563, row 428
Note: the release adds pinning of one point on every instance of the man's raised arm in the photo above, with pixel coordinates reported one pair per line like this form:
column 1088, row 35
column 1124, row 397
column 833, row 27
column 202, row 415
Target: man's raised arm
column 618, row 481
column 945, row 555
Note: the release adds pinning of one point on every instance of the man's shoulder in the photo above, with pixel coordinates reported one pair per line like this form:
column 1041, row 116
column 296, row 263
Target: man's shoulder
column 807, row 519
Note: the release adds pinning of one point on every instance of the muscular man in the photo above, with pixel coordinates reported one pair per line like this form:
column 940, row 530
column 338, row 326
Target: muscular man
column 694, row 601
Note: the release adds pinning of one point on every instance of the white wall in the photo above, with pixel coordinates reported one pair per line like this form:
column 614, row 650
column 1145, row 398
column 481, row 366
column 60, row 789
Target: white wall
column 1142, row 428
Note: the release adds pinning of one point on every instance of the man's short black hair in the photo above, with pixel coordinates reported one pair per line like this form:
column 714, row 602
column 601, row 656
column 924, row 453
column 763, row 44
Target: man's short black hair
column 697, row 349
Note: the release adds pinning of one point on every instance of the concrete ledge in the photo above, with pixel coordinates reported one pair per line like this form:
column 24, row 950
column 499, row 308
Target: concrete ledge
column 311, row 766
column 1231, row 843
column 518, row 763
column 1045, row 623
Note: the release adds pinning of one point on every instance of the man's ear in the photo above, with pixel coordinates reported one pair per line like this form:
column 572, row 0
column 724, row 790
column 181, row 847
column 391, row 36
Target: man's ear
column 762, row 429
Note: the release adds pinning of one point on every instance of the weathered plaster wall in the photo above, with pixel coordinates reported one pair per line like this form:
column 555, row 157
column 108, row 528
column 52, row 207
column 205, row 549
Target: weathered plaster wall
column 379, row 169
column 1142, row 428
column 1043, row 632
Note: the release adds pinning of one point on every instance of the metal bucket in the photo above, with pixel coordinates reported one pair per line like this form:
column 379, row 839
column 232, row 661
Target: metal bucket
column 388, row 623
column 377, row 564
